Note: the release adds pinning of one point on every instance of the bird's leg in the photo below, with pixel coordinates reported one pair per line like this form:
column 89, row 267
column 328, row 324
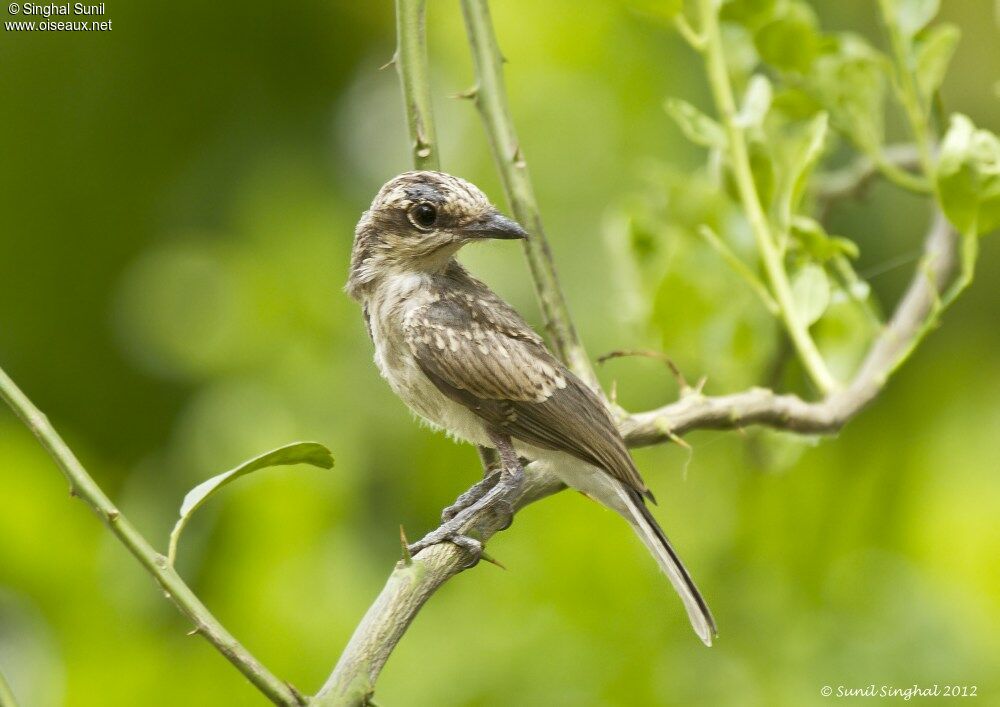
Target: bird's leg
column 496, row 492
column 472, row 495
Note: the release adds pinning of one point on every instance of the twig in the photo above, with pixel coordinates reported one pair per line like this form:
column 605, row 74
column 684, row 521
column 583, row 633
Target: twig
column 84, row 487
column 411, row 64
column 491, row 100
column 852, row 180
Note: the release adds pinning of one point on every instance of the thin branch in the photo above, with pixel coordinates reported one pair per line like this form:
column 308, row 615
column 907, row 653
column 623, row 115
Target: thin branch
column 915, row 315
column 411, row 64
column 491, row 100
column 84, row 487
column 851, row 181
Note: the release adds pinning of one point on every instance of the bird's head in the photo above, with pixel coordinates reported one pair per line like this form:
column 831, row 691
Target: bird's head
column 417, row 223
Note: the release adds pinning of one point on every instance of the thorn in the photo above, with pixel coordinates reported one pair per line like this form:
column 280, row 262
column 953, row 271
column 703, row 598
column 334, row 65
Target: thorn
column 518, row 157
column 614, row 391
column 407, row 557
column 113, row 515
column 468, row 94
column 195, row 631
column 389, row 63
column 679, row 441
column 73, row 493
column 492, row 560
column 423, row 151
column 700, row 385
column 679, row 377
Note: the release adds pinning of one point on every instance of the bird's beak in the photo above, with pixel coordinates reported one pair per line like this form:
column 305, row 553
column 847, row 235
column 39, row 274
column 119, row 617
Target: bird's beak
column 495, row 225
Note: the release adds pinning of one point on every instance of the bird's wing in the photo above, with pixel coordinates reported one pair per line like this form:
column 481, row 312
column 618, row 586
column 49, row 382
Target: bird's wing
column 479, row 352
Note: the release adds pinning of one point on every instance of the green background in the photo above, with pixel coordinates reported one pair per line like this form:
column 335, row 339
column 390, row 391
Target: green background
column 178, row 199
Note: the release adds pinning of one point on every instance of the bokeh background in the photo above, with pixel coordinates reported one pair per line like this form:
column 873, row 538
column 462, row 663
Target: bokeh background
column 178, row 199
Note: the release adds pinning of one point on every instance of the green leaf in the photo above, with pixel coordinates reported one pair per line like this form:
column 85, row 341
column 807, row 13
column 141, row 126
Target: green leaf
column 817, row 243
column 933, row 54
column 697, row 126
column 810, row 293
column 751, row 13
column 296, row 453
column 797, row 152
column 913, row 15
column 968, row 176
column 790, row 42
column 850, row 83
column 756, row 102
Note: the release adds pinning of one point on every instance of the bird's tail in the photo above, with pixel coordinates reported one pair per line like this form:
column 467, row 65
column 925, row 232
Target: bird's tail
column 653, row 537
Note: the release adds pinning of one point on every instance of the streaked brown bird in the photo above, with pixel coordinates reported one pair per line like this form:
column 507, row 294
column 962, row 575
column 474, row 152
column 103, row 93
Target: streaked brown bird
column 464, row 361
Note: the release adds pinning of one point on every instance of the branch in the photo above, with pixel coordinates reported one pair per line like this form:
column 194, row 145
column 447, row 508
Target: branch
column 915, row 315
column 411, row 64
column 852, row 180
column 491, row 100
column 84, row 487
column 409, row 587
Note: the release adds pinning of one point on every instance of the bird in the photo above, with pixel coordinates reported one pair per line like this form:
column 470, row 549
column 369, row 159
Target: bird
column 465, row 362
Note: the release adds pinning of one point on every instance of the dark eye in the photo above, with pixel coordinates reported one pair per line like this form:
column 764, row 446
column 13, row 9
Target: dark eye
column 423, row 216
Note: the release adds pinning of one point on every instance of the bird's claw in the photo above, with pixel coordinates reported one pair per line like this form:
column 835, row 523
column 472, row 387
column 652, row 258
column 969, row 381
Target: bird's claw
column 472, row 496
column 472, row 547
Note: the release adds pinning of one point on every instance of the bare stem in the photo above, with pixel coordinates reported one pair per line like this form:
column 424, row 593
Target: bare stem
column 491, row 100
column 411, row 64
column 722, row 92
column 83, row 486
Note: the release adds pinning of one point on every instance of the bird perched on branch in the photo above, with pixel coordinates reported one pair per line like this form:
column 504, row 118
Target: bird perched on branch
column 463, row 360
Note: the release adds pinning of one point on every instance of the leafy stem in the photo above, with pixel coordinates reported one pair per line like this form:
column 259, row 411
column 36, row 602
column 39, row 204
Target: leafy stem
column 906, row 88
column 739, row 157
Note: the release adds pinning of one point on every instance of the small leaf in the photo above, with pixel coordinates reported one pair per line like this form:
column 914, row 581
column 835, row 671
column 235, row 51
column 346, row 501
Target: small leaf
column 913, row 15
column 968, row 177
column 790, row 42
column 811, row 294
column 295, row 453
column 933, row 54
column 697, row 126
column 797, row 151
column 756, row 102
column 814, row 240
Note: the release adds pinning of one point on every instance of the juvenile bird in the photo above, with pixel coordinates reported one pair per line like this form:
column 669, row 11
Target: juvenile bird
column 466, row 362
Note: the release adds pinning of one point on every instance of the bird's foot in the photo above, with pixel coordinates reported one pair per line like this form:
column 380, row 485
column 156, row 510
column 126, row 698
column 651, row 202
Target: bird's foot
column 470, row 497
column 442, row 534
column 494, row 498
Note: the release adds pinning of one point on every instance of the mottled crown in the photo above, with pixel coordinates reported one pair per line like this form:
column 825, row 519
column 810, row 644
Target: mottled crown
column 453, row 196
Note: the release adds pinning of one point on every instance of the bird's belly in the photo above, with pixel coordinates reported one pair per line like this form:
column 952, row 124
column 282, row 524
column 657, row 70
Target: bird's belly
column 414, row 388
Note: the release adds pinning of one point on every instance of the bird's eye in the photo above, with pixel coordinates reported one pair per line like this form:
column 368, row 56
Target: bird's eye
column 423, row 216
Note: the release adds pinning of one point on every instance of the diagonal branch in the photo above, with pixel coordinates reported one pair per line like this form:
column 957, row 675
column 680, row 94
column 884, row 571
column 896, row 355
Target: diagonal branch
column 84, row 487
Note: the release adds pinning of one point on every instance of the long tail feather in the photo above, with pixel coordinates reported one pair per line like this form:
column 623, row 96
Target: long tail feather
column 653, row 537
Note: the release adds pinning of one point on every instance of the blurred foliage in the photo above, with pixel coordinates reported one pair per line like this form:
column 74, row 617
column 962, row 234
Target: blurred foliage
column 179, row 197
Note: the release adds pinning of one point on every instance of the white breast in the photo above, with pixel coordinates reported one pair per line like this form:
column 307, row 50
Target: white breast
column 389, row 306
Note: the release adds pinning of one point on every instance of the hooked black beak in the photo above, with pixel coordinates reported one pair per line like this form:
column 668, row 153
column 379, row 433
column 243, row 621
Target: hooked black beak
column 495, row 225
